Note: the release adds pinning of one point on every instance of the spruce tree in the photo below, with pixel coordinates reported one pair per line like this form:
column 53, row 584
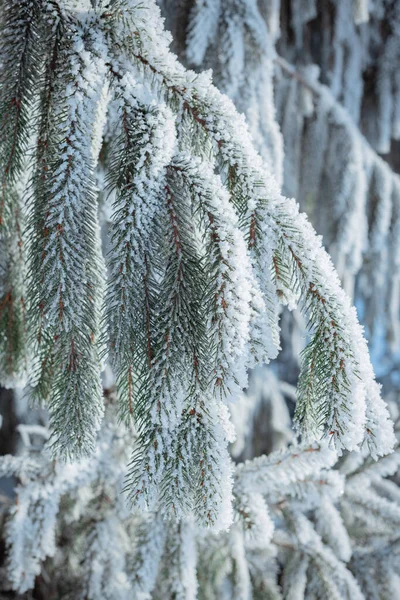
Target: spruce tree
column 143, row 234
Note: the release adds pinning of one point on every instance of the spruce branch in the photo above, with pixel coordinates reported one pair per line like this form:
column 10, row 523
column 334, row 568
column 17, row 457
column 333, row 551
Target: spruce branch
column 204, row 250
column 137, row 175
column 19, row 78
column 13, row 338
column 232, row 296
column 350, row 408
column 333, row 575
column 66, row 266
column 144, row 563
column 20, row 58
column 177, row 575
column 289, row 505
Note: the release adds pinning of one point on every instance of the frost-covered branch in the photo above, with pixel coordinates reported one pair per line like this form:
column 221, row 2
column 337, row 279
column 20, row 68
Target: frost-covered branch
column 258, row 203
column 66, row 265
column 292, row 528
column 204, row 250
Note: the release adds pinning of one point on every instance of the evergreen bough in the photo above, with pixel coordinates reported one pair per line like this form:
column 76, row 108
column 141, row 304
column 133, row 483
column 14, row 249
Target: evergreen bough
column 202, row 251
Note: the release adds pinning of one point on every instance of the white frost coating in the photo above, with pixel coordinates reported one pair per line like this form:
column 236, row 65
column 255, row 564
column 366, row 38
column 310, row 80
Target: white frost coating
column 140, row 206
column 162, row 560
column 233, row 276
column 384, row 467
column 197, row 445
column 370, row 510
column 202, row 28
column 241, row 584
column 330, row 526
column 232, row 142
column 367, row 408
column 22, row 467
column 180, row 562
column 295, row 577
column 183, row 435
column 361, row 11
column 325, row 559
column 369, row 507
column 393, row 296
column 68, row 185
column 260, row 114
column 217, row 485
column 253, row 513
column 195, row 427
column 265, row 331
column 189, row 557
column 343, row 171
column 26, row 431
column 237, row 297
column 241, row 55
column 348, row 174
column 31, row 530
column 66, row 262
column 106, row 565
column 31, row 534
column 269, row 474
column 99, row 49
column 312, row 254
column 300, row 16
column 150, row 541
column 380, row 209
